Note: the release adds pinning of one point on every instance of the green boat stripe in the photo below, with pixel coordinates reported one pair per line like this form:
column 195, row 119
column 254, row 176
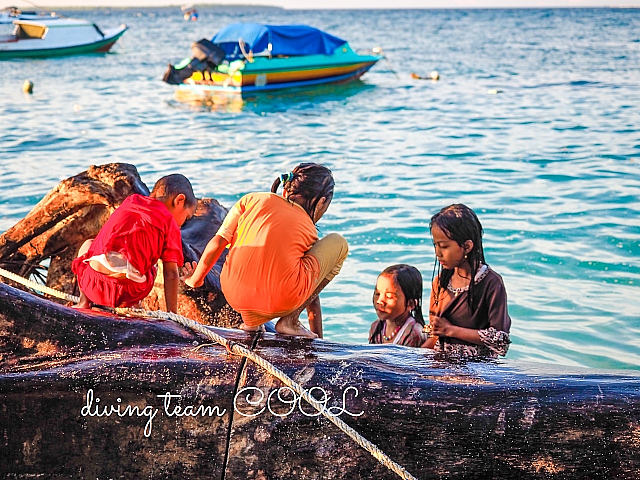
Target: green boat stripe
column 43, row 52
column 247, row 71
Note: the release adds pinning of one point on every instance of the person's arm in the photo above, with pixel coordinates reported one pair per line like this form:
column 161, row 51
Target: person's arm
column 171, row 284
column 210, row 256
column 430, row 342
column 427, row 332
column 432, row 338
column 372, row 331
column 443, row 327
column 415, row 338
column 314, row 313
column 496, row 337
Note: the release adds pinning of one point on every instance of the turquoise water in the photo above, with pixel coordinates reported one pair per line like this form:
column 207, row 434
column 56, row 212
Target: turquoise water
column 534, row 124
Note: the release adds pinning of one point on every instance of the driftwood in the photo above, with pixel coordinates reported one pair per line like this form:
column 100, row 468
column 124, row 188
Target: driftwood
column 68, row 215
column 77, row 208
column 435, row 417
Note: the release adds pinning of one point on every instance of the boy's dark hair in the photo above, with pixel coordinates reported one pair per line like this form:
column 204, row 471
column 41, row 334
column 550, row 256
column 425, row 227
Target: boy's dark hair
column 309, row 180
column 460, row 223
column 409, row 280
column 175, row 184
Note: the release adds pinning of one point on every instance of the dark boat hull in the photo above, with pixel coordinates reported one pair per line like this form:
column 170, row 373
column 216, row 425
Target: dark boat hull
column 436, row 418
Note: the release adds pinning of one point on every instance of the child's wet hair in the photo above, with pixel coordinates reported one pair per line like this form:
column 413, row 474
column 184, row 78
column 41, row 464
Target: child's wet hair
column 172, row 185
column 459, row 223
column 309, row 180
column 409, row 279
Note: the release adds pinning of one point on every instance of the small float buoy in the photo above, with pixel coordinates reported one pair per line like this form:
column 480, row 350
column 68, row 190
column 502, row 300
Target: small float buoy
column 27, row 86
column 432, row 76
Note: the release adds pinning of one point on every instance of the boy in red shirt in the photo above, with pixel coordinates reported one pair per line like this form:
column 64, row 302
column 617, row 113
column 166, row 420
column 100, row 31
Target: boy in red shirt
column 118, row 268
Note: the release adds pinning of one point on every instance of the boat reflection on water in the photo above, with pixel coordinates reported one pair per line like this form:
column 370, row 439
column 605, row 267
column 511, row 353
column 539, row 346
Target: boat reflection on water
column 214, row 101
column 272, row 101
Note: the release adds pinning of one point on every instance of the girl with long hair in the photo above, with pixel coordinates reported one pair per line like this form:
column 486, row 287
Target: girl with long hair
column 468, row 306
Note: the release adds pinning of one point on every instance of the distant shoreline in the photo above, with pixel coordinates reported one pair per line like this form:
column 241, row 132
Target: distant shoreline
column 44, row 6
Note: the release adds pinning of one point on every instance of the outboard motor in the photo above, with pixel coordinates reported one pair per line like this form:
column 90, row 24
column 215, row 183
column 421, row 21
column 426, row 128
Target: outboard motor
column 208, row 52
column 175, row 76
column 206, row 57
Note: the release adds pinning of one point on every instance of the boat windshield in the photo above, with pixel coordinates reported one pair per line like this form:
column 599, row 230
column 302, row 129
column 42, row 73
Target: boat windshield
column 29, row 31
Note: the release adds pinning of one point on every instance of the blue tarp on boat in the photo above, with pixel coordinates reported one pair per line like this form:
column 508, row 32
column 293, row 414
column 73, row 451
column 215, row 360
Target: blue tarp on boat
column 288, row 40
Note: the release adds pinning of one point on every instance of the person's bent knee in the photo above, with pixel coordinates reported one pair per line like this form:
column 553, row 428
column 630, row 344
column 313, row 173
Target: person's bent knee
column 84, row 248
column 342, row 245
column 339, row 248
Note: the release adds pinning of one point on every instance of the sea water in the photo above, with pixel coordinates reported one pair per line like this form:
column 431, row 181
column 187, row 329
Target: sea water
column 534, row 124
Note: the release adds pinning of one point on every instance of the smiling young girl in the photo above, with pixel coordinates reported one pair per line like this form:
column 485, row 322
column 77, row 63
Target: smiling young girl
column 397, row 299
column 468, row 306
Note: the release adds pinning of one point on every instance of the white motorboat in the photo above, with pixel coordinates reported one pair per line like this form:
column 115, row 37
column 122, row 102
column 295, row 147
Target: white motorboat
column 53, row 36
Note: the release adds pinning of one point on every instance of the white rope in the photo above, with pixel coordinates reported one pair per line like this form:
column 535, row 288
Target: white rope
column 38, row 286
column 238, row 349
column 276, row 372
column 248, row 56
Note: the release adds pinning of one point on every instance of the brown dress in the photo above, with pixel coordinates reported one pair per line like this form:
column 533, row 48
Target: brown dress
column 490, row 317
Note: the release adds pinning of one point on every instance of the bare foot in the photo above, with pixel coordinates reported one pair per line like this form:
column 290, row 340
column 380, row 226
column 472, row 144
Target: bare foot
column 83, row 302
column 287, row 326
column 247, row 328
column 82, row 306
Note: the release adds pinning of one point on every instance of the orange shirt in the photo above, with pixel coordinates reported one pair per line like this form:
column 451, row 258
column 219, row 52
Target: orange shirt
column 267, row 270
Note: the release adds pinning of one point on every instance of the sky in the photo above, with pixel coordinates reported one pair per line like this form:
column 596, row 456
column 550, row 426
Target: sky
column 331, row 4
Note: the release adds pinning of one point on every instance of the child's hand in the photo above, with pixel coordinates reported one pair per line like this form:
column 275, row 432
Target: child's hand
column 190, row 283
column 187, row 270
column 440, row 325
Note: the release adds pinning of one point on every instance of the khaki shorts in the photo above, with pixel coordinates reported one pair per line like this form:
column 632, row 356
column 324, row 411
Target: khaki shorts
column 331, row 252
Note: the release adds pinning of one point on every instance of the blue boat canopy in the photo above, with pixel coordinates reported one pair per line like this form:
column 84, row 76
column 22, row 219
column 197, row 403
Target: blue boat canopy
column 288, row 40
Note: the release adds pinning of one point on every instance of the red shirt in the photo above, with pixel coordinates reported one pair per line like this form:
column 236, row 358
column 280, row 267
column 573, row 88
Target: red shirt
column 143, row 230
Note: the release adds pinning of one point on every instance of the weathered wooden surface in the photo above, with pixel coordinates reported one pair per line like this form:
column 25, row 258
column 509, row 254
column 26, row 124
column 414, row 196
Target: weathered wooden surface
column 436, row 418
column 76, row 209
column 52, row 356
column 443, row 420
column 68, row 215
